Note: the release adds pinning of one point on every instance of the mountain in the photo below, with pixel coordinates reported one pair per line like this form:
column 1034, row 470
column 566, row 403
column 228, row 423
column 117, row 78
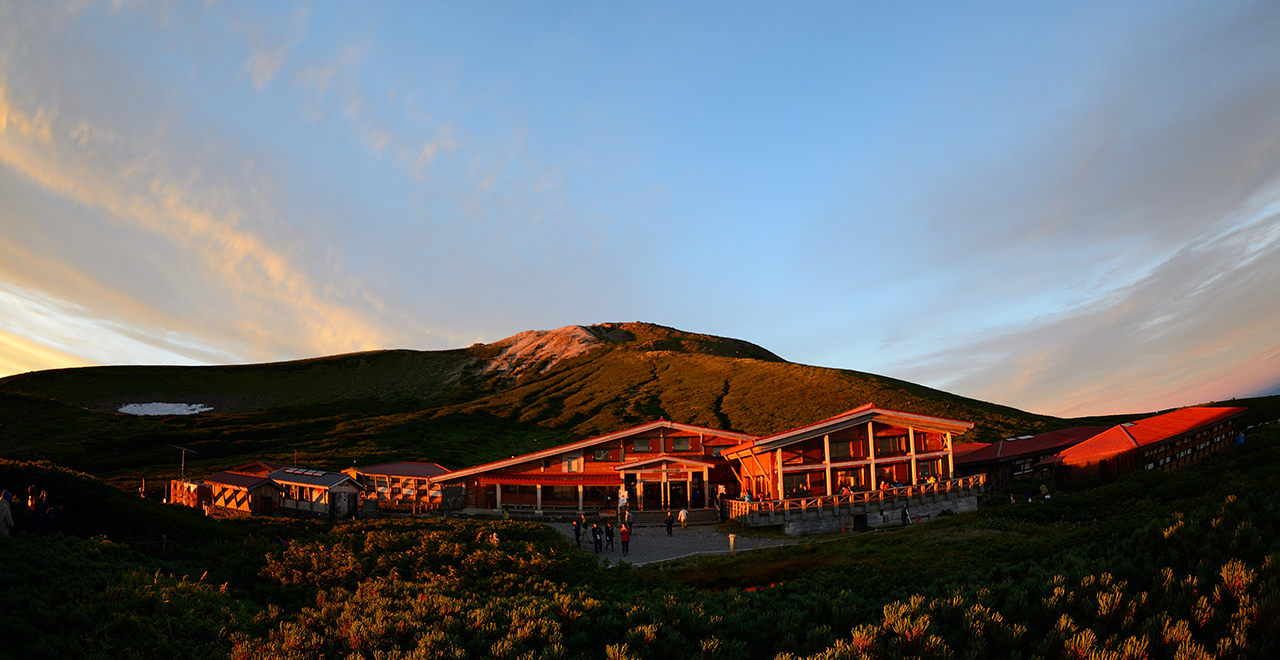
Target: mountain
column 456, row 407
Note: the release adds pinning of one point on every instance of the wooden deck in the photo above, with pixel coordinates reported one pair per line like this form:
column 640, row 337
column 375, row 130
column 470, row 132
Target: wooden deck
column 777, row 512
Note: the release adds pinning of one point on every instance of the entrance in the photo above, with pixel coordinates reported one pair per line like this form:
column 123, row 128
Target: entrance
column 679, row 494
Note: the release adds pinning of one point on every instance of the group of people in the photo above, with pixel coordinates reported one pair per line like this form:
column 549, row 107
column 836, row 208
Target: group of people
column 43, row 514
column 602, row 538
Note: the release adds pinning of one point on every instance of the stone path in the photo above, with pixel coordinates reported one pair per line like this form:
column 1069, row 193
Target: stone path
column 651, row 544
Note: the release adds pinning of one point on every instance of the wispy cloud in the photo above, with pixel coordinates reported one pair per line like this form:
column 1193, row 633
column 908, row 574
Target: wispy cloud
column 152, row 186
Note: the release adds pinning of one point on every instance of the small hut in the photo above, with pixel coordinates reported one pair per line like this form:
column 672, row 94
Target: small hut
column 315, row 493
column 243, row 494
column 404, row 485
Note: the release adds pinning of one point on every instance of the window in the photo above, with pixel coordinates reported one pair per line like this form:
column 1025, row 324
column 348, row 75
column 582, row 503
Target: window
column 855, row 479
column 600, row 455
column 564, row 492
column 892, row 445
column 715, row 452
column 841, row 450
column 640, row 444
column 572, row 461
column 680, row 444
column 795, row 485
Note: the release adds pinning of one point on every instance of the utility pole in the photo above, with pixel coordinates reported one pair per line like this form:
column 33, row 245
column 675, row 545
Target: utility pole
column 183, row 468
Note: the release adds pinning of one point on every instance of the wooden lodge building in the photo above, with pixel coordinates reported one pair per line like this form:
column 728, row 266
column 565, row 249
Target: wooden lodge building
column 660, row 464
column 406, row 485
column 1163, row 442
column 244, row 494
column 1021, row 457
column 315, row 493
column 867, row 448
column 865, row 468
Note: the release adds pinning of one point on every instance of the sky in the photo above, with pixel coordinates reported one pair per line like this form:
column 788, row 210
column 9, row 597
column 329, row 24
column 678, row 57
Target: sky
column 1069, row 208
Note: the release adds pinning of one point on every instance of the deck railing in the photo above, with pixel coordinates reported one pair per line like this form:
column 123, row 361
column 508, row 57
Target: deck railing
column 775, row 511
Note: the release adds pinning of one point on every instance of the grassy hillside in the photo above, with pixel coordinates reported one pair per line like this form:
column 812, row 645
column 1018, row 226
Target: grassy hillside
column 457, row 407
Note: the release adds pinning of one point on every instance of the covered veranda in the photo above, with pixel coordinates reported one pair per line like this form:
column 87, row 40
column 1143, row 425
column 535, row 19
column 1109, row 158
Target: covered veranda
column 554, row 492
column 665, row 482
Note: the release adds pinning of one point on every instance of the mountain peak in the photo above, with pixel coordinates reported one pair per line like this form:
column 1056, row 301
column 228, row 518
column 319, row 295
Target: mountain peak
column 537, row 351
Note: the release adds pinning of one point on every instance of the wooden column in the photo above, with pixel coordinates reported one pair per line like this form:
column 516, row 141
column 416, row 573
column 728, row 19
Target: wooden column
column 871, row 452
column 826, row 458
column 911, row 445
column 951, row 462
column 688, row 488
column 579, row 498
column 777, row 465
column 706, row 488
column 664, row 497
column 539, row 507
column 497, row 488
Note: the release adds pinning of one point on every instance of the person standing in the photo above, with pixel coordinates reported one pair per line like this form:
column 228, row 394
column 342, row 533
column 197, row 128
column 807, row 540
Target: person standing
column 684, row 518
column 608, row 536
column 577, row 533
column 6, row 516
column 622, row 500
column 624, row 535
column 670, row 523
column 906, row 517
column 597, row 537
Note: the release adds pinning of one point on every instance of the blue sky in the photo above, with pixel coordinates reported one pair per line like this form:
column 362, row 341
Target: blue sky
column 1070, row 209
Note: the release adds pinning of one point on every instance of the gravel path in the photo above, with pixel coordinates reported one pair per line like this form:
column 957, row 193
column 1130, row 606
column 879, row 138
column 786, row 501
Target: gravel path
column 650, row 544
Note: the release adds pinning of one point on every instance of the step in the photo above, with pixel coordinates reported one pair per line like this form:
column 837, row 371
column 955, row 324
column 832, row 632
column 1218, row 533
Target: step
column 658, row 518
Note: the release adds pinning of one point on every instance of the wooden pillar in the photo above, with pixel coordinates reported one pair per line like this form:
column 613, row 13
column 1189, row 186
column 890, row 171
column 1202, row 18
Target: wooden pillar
column 871, row 452
column 688, row 487
column 664, row 496
column 706, row 488
column 539, row 507
column 777, row 466
column 639, row 494
column 497, row 488
column 579, row 498
column 826, row 458
column 911, row 445
column 951, row 462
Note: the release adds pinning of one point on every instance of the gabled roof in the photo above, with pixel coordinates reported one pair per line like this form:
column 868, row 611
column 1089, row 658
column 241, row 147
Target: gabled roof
column 260, row 468
column 303, row 476
column 403, row 469
column 236, row 480
column 670, row 458
column 1152, row 430
column 1028, row 445
column 965, row 448
column 854, row 417
column 591, row 442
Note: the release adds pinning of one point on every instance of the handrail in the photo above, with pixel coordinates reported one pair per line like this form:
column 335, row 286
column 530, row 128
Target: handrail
column 739, row 509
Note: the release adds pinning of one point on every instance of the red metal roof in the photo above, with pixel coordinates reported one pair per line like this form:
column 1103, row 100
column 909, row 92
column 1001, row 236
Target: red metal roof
column 1152, row 430
column 590, row 442
column 235, row 480
column 962, row 449
column 404, row 469
column 1041, row 443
